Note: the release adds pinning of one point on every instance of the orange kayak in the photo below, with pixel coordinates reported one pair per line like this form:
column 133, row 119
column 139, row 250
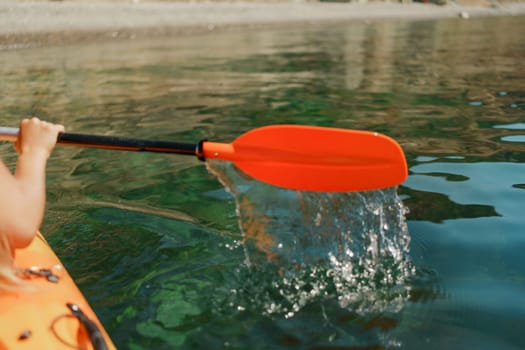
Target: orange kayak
column 51, row 312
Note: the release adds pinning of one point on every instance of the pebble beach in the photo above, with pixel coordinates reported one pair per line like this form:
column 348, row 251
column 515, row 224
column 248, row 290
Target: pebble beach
column 33, row 23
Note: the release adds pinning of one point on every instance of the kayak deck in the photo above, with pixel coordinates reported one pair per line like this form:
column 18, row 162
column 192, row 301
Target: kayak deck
column 41, row 315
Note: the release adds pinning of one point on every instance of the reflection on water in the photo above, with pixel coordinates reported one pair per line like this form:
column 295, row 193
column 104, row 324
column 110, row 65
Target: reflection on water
column 153, row 240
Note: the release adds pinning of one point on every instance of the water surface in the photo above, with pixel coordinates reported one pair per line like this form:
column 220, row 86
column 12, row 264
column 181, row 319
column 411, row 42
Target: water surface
column 154, row 241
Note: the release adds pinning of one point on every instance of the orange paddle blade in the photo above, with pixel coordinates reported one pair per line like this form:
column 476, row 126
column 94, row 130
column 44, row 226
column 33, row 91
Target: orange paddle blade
column 310, row 158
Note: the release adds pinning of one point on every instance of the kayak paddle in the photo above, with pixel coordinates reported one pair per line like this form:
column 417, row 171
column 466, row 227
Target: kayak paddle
column 307, row 158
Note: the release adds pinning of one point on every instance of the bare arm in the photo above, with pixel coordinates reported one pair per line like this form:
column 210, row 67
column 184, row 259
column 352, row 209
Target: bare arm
column 22, row 195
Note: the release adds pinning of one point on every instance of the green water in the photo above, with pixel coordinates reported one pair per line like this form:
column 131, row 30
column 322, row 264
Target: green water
column 154, row 242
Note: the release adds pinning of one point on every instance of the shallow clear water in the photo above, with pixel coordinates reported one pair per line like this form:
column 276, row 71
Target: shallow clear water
column 154, row 242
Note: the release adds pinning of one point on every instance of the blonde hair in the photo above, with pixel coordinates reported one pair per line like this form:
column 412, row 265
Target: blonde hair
column 8, row 279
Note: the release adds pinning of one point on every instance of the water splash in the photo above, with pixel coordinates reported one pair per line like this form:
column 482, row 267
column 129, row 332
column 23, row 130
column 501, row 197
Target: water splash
column 302, row 247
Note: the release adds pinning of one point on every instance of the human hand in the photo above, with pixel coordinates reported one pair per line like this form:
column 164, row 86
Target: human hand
column 37, row 136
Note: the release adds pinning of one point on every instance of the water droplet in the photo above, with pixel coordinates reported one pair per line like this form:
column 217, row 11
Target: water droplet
column 318, row 219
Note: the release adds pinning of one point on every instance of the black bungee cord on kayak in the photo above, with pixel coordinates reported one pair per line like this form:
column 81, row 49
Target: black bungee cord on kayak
column 94, row 333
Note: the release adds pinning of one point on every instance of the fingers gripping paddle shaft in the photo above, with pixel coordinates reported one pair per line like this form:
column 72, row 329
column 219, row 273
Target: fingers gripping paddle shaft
column 296, row 157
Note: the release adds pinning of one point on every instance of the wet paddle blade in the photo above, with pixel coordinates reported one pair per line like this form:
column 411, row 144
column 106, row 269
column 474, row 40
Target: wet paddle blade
column 318, row 159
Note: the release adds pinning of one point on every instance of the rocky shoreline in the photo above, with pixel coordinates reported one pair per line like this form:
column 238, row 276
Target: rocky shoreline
column 33, row 23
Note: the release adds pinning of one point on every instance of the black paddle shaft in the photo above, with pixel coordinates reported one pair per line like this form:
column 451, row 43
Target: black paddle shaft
column 129, row 144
